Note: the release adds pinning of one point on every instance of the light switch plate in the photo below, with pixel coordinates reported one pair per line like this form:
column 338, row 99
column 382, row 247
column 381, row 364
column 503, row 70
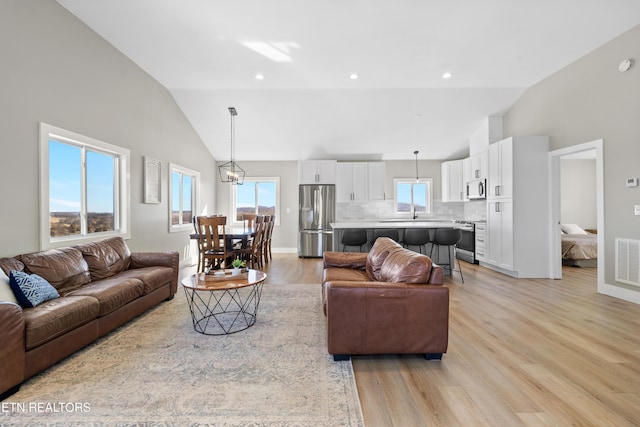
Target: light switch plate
column 636, row 210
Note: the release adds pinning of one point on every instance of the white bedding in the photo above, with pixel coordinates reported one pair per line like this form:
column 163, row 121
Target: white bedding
column 579, row 246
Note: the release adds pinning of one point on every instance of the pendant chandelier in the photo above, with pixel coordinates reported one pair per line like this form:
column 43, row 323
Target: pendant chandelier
column 417, row 176
column 230, row 171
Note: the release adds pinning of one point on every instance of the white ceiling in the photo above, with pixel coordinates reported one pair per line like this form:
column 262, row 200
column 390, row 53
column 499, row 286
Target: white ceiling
column 309, row 108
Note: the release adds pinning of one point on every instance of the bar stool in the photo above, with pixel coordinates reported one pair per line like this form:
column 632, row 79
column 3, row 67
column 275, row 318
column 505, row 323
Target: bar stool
column 354, row 238
column 416, row 237
column 447, row 237
column 391, row 233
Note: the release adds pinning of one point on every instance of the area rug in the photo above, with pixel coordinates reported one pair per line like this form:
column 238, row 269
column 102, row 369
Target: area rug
column 157, row 371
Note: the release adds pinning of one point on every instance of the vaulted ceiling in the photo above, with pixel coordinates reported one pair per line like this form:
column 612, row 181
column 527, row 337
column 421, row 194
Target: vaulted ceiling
column 207, row 53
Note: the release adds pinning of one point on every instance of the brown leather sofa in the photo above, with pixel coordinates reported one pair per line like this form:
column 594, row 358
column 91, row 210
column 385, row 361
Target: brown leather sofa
column 389, row 301
column 102, row 285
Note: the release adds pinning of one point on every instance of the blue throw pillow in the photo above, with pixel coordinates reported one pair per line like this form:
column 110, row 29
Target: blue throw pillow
column 31, row 289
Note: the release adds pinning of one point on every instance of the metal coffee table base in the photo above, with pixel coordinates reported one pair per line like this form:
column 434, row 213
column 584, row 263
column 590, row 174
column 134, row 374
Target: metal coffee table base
column 223, row 311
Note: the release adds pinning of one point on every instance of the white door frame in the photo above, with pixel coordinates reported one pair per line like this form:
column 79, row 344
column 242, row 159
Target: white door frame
column 555, row 260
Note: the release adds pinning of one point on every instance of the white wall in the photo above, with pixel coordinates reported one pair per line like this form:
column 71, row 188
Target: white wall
column 586, row 101
column 578, row 193
column 56, row 70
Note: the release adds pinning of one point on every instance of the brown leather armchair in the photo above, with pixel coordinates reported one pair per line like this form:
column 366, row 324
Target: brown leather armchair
column 389, row 301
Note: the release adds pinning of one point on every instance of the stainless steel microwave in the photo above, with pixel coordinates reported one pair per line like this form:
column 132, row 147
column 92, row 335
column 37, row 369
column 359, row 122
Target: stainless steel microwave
column 477, row 189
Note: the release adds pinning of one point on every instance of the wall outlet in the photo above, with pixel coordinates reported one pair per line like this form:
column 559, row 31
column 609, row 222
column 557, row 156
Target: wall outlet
column 636, row 210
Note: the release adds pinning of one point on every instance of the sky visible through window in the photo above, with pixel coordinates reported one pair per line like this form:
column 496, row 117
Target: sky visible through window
column 65, row 179
column 248, row 199
column 66, row 216
column 404, row 199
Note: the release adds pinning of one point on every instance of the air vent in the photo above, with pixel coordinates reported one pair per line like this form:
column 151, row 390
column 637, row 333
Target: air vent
column 628, row 261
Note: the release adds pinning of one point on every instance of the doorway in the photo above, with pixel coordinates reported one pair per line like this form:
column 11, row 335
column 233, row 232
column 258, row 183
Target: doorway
column 555, row 157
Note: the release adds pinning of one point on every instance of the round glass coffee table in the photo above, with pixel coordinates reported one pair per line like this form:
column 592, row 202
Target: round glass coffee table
column 223, row 304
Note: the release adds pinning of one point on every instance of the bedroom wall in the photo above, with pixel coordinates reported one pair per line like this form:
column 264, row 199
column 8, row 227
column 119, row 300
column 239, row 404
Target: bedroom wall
column 578, row 193
column 586, row 101
column 56, row 70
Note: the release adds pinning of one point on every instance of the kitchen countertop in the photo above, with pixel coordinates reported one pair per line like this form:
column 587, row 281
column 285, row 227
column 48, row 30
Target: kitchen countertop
column 396, row 224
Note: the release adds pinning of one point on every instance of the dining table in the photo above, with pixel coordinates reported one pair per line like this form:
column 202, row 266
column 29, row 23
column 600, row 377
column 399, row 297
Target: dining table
column 233, row 234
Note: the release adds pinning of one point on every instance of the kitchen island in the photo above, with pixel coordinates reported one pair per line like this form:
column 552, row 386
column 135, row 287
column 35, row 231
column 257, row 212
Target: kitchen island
column 391, row 224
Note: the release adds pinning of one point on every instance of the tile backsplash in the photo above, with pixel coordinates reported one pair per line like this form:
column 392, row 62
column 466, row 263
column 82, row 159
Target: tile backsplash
column 376, row 210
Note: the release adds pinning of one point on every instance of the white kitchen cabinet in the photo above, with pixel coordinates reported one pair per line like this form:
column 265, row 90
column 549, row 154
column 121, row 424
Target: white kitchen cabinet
column 317, row 171
column 453, row 187
column 351, row 183
column 517, row 234
column 500, row 237
column 481, row 241
column 360, row 181
column 467, row 174
column 478, row 166
column 500, row 168
column 377, row 177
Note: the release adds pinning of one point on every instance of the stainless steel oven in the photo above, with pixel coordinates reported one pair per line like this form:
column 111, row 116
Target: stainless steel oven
column 466, row 249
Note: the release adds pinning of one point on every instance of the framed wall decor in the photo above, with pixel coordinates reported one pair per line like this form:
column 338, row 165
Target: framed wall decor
column 152, row 180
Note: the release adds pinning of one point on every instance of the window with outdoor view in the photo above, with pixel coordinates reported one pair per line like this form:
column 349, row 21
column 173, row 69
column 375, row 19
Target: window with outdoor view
column 256, row 196
column 83, row 187
column 183, row 186
column 413, row 198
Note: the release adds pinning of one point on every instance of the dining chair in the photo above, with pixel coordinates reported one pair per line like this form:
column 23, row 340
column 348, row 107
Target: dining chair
column 254, row 250
column 268, row 232
column 249, row 219
column 212, row 243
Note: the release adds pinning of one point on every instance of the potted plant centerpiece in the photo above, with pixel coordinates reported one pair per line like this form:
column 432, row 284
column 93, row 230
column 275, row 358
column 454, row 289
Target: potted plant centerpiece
column 237, row 265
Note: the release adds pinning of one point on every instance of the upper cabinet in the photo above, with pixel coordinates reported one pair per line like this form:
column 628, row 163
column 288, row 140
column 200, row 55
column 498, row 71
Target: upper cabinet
column 351, row 183
column 500, row 179
column 478, row 165
column 360, row 181
column 453, row 187
column 317, row 171
column 376, row 171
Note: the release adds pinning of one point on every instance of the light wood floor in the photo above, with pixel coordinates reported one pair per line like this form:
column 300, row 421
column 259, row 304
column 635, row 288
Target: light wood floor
column 521, row 353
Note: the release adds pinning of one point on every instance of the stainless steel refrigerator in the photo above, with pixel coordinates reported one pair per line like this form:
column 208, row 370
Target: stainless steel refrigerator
column 316, row 210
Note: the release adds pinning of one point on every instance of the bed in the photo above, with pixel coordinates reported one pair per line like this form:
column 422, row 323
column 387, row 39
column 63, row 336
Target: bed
column 579, row 247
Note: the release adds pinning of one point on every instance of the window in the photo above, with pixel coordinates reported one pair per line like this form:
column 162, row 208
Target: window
column 257, row 195
column 183, row 186
column 84, row 188
column 413, row 198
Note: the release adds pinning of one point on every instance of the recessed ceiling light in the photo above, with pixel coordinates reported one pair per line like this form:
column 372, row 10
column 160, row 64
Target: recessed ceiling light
column 354, row 76
column 447, row 75
column 259, row 77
